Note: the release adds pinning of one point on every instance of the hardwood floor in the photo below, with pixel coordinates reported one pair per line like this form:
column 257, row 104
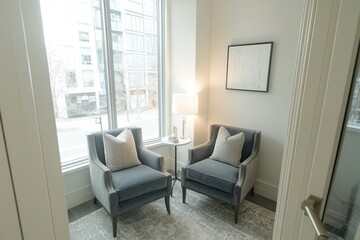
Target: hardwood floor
column 82, row 210
column 262, row 201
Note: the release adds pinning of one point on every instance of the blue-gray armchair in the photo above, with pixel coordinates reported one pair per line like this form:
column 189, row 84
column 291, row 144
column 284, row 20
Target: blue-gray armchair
column 218, row 179
column 123, row 190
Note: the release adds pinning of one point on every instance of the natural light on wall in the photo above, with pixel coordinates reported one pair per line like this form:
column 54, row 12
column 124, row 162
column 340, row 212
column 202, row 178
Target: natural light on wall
column 184, row 104
column 104, row 59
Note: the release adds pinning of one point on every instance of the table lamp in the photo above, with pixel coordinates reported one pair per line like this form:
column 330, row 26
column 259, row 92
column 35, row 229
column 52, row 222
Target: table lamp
column 184, row 104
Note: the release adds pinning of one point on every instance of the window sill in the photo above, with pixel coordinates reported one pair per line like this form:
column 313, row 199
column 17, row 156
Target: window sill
column 154, row 144
column 74, row 166
column 80, row 164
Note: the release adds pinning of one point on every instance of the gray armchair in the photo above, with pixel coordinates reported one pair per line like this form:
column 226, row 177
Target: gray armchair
column 123, row 190
column 220, row 180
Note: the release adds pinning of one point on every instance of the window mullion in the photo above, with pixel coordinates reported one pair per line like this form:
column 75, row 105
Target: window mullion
column 161, row 63
column 109, row 65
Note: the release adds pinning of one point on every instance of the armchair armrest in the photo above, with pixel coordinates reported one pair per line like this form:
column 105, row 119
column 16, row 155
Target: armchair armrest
column 200, row 152
column 152, row 159
column 246, row 177
column 101, row 180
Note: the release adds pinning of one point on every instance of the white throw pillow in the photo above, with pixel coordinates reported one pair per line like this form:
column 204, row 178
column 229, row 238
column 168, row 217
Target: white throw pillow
column 120, row 152
column 228, row 148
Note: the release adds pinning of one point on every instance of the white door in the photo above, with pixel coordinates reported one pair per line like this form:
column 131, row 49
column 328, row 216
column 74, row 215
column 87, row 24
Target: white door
column 9, row 220
column 30, row 173
column 328, row 45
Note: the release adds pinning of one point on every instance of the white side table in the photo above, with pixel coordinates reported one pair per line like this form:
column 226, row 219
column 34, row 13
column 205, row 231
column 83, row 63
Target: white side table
column 182, row 141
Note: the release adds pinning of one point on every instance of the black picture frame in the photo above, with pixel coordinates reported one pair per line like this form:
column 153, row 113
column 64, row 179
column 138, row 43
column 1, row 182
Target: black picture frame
column 248, row 66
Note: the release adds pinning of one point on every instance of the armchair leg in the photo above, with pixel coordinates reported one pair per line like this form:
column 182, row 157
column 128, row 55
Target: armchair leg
column 95, row 200
column 114, row 225
column 167, row 203
column 183, row 194
column 252, row 191
column 236, row 213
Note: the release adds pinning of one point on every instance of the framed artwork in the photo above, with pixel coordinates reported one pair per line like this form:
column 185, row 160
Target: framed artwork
column 248, row 67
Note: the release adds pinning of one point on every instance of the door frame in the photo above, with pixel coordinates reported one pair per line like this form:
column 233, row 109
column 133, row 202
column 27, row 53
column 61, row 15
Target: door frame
column 28, row 127
column 310, row 145
column 9, row 218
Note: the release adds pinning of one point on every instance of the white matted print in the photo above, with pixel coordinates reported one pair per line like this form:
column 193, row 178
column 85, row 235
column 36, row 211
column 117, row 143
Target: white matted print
column 248, row 67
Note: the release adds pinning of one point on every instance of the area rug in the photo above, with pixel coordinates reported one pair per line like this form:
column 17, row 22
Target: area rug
column 200, row 218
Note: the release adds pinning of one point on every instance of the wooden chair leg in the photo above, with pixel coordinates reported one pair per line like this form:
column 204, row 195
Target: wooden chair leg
column 95, row 200
column 114, row 225
column 167, row 203
column 183, row 194
column 236, row 213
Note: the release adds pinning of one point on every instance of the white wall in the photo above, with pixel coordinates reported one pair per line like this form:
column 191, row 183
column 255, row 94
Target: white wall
column 238, row 22
column 202, row 75
column 189, row 54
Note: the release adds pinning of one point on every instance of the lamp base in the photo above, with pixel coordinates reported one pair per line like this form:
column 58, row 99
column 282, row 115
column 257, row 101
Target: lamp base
column 183, row 127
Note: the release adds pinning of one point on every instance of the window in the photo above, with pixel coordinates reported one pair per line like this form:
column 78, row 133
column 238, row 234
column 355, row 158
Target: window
column 150, row 7
column 150, row 25
column 150, row 44
column 115, row 21
column 117, row 42
column 135, row 6
column 134, row 23
column 355, row 105
column 137, row 99
column 135, row 61
column 151, row 63
column 84, row 36
column 114, row 4
column 118, row 61
column 80, row 76
column 70, row 77
column 97, row 16
column 136, row 80
column 88, row 78
column 135, row 42
column 86, row 56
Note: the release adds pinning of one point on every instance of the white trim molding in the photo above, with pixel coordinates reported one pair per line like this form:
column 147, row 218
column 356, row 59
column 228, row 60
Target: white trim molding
column 266, row 190
column 329, row 36
column 79, row 196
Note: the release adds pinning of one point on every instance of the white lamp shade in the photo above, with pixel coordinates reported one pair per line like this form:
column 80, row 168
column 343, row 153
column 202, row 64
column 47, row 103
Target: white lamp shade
column 185, row 104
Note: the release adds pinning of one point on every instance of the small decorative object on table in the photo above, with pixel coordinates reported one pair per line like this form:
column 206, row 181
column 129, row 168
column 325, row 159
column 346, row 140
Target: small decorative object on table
column 173, row 137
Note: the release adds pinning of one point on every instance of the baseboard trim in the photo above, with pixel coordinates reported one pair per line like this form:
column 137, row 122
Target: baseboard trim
column 266, row 190
column 79, row 196
column 335, row 218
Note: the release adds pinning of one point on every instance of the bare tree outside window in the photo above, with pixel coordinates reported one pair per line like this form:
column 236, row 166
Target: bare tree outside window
column 355, row 105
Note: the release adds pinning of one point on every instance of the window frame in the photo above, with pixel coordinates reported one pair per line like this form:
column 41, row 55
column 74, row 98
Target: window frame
column 80, row 163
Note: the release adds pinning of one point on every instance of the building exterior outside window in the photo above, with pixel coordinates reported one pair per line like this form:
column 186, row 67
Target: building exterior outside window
column 70, row 77
column 81, row 73
column 88, row 78
column 83, row 36
column 355, row 104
